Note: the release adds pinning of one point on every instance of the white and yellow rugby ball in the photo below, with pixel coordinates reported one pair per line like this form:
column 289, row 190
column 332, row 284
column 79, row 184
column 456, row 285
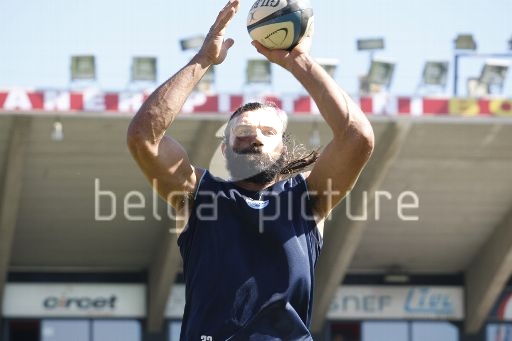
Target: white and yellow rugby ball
column 280, row 24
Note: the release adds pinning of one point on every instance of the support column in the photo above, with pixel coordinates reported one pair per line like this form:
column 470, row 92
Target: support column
column 11, row 187
column 162, row 274
column 488, row 274
column 11, row 192
column 342, row 238
column 167, row 260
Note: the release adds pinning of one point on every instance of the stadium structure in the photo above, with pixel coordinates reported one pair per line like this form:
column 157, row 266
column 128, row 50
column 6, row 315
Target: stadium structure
column 420, row 250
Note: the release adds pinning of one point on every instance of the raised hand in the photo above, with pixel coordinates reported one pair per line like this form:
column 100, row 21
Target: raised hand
column 285, row 58
column 215, row 46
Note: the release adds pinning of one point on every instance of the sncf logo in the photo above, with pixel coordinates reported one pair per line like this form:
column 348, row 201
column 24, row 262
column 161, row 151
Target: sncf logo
column 81, row 303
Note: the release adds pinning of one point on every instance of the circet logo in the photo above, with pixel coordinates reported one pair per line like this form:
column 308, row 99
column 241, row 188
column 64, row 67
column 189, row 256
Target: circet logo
column 80, row 303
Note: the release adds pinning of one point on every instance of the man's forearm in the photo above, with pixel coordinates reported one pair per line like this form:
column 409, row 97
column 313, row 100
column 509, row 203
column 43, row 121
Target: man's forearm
column 335, row 105
column 164, row 104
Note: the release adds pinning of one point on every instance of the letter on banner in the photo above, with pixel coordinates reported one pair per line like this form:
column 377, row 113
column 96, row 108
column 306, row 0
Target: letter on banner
column 130, row 102
column 501, row 107
column 17, row 99
column 94, row 100
column 57, row 100
column 463, row 107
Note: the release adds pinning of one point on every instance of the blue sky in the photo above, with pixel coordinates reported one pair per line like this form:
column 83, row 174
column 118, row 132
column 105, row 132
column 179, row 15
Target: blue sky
column 38, row 37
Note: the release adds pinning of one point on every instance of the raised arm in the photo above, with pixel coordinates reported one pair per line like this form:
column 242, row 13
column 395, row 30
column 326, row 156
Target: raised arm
column 343, row 158
column 163, row 160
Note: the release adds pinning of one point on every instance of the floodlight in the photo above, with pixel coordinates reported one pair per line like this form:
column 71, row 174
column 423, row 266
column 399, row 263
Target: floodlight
column 370, row 44
column 475, row 88
column 83, row 68
column 435, row 73
column 144, row 69
column 192, row 43
column 465, row 42
column 494, row 72
column 381, row 72
column 259, row 71
column 364, row 85
column 329, row 65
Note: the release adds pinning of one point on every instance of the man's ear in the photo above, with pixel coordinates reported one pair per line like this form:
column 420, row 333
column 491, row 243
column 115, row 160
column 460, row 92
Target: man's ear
column 223, row 148
column 284, row 147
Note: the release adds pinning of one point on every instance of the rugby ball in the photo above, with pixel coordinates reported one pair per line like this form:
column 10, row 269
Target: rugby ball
column 280, row 24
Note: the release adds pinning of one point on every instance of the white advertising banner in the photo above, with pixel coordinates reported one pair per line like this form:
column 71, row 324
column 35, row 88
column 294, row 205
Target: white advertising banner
column 373, row 302
column 176, row 302
column 397, row 302
column 74, row 300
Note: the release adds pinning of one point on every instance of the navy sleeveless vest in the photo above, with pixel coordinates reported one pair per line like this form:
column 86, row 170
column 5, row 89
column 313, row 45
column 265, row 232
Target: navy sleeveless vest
column 248, row 262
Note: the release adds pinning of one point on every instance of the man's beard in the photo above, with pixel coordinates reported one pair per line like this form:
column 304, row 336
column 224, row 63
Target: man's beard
column 253, row 166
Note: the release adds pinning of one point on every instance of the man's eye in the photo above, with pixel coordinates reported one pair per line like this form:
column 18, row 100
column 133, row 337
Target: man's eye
column 269, row 132
column 243, row 131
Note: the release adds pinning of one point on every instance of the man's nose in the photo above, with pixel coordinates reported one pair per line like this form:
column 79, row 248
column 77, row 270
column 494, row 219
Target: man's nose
column 258, row 137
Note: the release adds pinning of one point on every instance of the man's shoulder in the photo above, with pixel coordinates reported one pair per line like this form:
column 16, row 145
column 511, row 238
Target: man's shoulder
column 305, row 174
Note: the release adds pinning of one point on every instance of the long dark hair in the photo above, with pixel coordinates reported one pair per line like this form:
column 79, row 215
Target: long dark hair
column 298, row 157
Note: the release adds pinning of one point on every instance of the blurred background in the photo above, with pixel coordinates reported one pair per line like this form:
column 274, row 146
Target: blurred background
column 421, row 249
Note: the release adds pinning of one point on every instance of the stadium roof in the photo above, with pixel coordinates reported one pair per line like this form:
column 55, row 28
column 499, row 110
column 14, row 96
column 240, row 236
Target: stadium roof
column 58, row 212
